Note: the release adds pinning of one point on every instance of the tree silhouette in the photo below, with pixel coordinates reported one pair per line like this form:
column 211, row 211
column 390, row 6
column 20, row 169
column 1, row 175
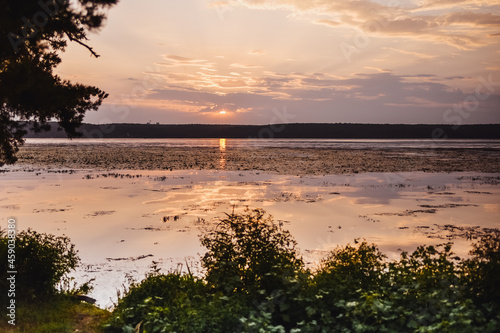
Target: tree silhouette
column 32, row 35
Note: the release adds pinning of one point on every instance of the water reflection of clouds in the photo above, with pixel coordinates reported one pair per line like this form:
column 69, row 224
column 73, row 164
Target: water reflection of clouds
column 197, row 199
column 372, row 196
column 493, row 208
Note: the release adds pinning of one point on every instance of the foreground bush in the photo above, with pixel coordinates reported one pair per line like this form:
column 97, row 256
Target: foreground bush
column 42, row 261
column 422, row 292
column 482, row 272
column 254, row 260
column 256, row 282
column 175, row 303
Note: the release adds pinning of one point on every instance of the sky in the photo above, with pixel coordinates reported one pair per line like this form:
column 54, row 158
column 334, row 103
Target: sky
column 294, row 61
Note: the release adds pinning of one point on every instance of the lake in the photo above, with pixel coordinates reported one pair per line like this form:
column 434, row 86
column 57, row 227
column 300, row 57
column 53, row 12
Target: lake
column 121, row 219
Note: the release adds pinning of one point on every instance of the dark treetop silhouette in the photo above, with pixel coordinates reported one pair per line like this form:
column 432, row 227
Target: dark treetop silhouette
column 32, row 34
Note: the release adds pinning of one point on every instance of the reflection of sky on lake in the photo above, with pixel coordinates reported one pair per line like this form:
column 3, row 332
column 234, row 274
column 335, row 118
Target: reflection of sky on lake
column 120, row 216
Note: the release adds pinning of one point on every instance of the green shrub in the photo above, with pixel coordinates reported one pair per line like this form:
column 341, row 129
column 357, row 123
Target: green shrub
column 481, row 273
column 252, row 258
column 250, row 254
column 350, row 269
column 421, row 292
column 175, row 303
column 42, row 261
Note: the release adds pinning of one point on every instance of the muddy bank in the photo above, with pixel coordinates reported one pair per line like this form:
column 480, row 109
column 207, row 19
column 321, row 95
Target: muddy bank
column 295, row 161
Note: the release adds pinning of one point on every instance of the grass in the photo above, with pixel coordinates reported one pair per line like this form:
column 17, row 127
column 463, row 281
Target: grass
column 61, row 314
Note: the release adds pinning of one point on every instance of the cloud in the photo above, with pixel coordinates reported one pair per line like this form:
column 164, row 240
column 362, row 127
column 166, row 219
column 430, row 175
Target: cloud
column 237, row 65
column 328, row 23
column 447, row 4
column 412, row 53
column 471, row 19
column 178, row 58
column 176, row 62
column 248, row 90
column 386, row 88
column 436, row 21
column 256, row 52
column 232, row 83
column 418, row 76
column 365, row 97
column 456, row 77
column 381, row 70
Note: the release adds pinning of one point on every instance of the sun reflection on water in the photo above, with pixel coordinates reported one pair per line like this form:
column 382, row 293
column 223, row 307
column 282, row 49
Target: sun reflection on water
column 222, row 149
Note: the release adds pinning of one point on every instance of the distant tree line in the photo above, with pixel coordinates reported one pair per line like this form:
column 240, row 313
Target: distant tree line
column 313, row 130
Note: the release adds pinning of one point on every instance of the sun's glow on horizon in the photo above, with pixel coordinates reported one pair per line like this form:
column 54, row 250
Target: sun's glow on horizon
column 222, row 112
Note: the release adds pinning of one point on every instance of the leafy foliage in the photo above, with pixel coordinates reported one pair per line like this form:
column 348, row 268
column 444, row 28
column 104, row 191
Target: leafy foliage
column 359, row 267
column 256, row 282
column 174, row 303
column 42, row 261
column 33, row 33
column 419, row 293
column 250, row 254
column 481, row 273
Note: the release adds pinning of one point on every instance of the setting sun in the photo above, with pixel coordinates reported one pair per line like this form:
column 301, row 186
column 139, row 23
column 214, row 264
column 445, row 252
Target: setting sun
column 222, row 112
